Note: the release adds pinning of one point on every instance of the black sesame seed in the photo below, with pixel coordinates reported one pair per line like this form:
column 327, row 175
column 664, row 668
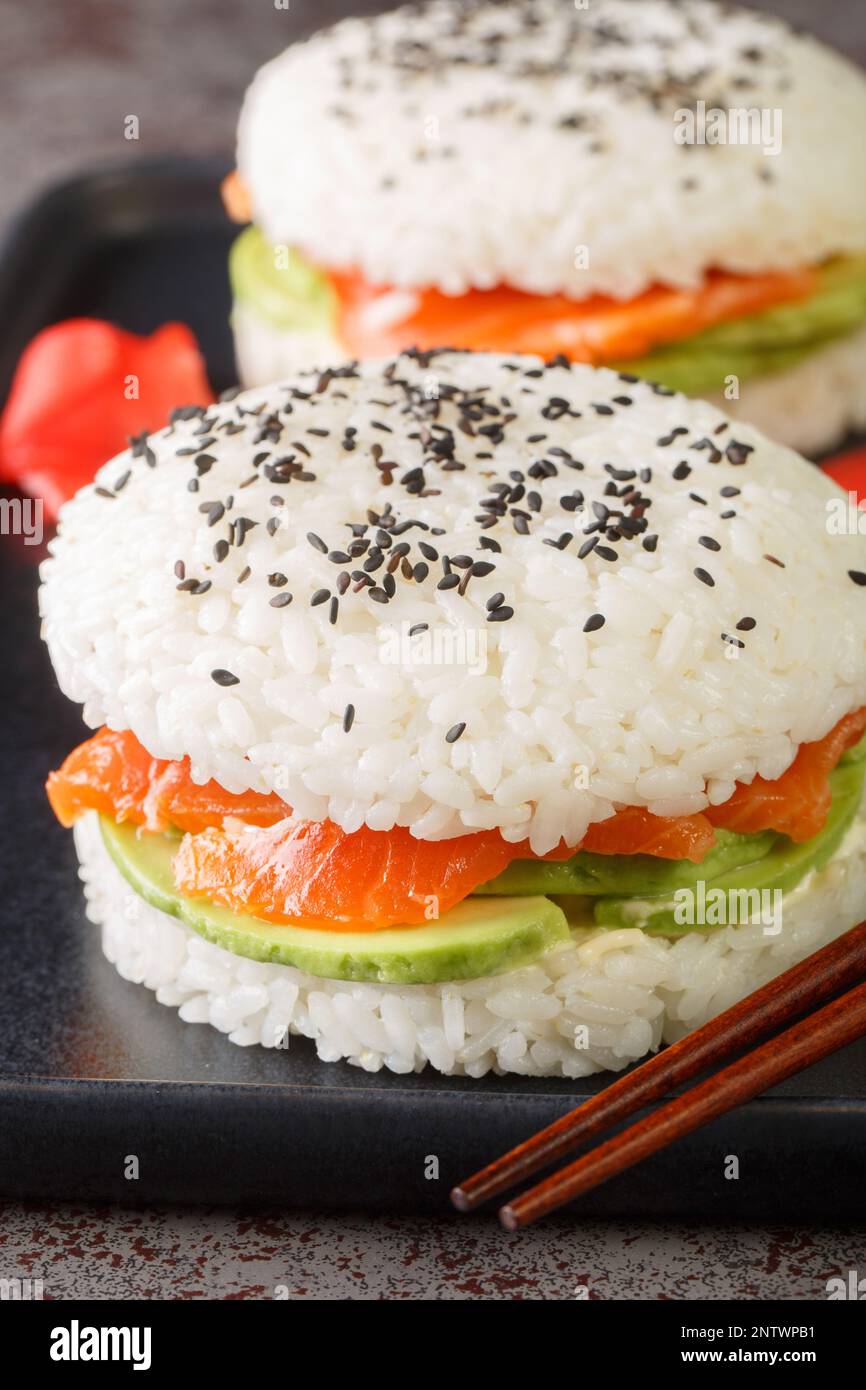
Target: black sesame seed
column 244, row 575
column 220, row 551
column 454, row 733
column 704, row 577
column 729, row 491
column 681, row 471
column 448, row 581
column 606, row 552
column 320, row 596
column 418, row 627
column 738, row 453
column 746, row 624
column 317, row 543
column 500, row 614
column 709, row 542
column 222, row 677
column 650, row 542
column 333, row 611
column 594, row 622
column 281, row 600
column 857, row 576
column 179, row 569
column 733, row 641
column 348, row 718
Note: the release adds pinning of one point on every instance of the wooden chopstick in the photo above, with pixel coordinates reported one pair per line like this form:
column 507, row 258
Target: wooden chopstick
column 814, row 1037
column 835, row 967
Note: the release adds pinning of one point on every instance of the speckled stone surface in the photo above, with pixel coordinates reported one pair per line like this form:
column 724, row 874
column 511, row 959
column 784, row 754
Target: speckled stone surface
column 97, row 1253
column 69, row 76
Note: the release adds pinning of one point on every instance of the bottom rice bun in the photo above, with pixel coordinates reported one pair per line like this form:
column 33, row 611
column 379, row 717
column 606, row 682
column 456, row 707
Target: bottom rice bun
column 461, row 709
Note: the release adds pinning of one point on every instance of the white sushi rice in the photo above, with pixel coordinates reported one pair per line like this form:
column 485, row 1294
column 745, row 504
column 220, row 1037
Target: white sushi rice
column 562, row 725
column 629, row 991
column 808, row 407
column 265, row 351
column 414, row 149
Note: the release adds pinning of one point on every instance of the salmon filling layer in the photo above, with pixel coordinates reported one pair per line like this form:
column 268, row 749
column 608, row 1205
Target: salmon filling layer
column 597, row 330
column 242, row 851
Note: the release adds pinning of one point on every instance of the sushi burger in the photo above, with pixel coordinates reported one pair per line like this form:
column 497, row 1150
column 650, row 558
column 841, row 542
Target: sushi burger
column 677, row 190
column 461, row 709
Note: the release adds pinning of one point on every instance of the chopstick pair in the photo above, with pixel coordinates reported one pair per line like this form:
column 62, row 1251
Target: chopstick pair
column 791, row 995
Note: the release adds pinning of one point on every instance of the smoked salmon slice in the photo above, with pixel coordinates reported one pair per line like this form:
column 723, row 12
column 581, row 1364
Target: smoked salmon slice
column 111, row 773
column 634, row 830
column 596, row 330
column 796, row 804
column 316, row 873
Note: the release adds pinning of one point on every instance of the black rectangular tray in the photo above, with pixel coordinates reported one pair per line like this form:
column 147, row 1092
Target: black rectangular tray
column 92, row 1068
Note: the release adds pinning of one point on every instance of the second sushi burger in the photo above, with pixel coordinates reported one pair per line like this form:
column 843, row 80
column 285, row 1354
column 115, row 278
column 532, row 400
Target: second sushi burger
column 674, row 189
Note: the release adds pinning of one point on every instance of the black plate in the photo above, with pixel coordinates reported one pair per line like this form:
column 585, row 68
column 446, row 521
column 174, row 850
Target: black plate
column 93, row 1068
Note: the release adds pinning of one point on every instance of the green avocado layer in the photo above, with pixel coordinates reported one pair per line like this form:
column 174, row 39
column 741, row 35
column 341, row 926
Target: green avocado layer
column 291, row 294
column 779, row 871
column 631, row 875
column 481, row 936
column 280, row 284
column 763, row 343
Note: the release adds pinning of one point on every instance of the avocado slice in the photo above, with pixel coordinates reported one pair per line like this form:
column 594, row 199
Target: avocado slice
column 291, row 294
column 632, row 875
column 782, row 868
column 477, row 937
column 763, row 343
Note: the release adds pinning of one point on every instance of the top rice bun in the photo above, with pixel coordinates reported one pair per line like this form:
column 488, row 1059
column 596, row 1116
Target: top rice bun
column 707, row 635
column 533, row 144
